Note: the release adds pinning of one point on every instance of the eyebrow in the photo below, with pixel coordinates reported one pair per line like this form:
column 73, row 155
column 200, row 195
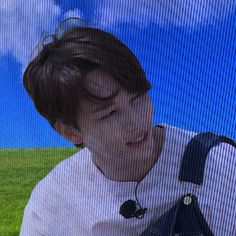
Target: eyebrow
column 106, row 103
column 109, row 103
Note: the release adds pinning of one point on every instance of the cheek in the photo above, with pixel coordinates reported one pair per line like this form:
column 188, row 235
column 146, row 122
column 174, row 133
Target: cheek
column 149, row 106
column 145, row 109
column 150, row 110
column 109, row 132
column 101, row 132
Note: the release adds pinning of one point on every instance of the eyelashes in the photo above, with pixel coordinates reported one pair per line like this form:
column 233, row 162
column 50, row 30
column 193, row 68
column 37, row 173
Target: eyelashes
column 137, row 96
column 114, row 111
column 109, row 114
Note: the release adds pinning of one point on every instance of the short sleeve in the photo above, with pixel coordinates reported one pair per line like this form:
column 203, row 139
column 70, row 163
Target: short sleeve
column 221, row 179
column 33, row 223
column 35, row 214
column 45, row 211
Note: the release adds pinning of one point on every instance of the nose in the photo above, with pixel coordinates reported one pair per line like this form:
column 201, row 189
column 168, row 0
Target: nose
column 131, row 121
column 130, row 117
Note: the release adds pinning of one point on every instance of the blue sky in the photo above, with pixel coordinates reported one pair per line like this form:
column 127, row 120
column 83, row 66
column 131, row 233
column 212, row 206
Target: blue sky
column 187, row 50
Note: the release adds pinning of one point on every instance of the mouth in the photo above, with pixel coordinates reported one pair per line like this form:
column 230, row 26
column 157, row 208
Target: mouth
column 140, row 141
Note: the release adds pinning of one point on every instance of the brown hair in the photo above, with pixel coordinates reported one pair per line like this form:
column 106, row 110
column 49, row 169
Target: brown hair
column 54, row 78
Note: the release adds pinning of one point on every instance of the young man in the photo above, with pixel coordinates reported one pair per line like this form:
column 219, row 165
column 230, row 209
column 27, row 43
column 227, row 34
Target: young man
column 93, row 91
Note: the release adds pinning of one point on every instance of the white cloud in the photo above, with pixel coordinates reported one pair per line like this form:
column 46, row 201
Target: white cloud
column 73, row 13
column 183, row 13
column 22, row 23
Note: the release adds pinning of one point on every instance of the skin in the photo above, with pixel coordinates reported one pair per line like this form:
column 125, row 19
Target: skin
column 128, row 118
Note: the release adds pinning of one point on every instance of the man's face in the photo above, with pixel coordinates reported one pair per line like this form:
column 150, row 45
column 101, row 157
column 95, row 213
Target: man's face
column 107, row 128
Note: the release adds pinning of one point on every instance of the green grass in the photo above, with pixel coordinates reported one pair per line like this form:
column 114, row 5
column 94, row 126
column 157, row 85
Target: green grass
column 20, row 171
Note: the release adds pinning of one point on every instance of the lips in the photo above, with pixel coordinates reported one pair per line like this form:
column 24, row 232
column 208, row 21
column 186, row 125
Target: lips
column 138, row 140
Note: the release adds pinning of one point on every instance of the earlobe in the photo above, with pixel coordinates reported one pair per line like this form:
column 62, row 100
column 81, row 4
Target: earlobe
column 68, row 132
column 76, row 139
column 76, row 136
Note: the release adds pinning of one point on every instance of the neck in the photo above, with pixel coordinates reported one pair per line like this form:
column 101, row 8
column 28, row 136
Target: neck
column 130, row 170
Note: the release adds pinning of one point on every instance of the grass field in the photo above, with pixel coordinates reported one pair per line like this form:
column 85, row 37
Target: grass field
column 20, row 170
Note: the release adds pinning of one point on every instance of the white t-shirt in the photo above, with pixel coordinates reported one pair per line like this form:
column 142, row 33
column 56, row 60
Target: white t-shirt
column 76, row 199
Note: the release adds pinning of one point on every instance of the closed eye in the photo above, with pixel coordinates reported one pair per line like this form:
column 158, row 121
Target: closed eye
column 113, row 111
column 110, row 113
column 137, row 96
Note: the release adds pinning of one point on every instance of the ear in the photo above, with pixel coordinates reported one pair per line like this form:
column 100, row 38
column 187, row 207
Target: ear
column 68, row 132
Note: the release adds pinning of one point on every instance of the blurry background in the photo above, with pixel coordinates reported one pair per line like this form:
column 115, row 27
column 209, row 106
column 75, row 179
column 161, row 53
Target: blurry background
column 187, row 49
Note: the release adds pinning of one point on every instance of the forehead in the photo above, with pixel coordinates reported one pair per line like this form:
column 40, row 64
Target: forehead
column 101, row 83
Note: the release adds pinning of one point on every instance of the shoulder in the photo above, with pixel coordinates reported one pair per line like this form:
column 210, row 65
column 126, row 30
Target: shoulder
column 63, row 174
column 70, row 166
column 177, row 139
column 51, row 189
column 219, row 185
column 49, row 201
column 223, row 156
column 219, row 173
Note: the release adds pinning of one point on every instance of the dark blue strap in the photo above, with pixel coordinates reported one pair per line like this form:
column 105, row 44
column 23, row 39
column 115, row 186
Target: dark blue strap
column 182, row 219
column 190, row 219
column 194, row 158
column 164, row 226
column 192, row 170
